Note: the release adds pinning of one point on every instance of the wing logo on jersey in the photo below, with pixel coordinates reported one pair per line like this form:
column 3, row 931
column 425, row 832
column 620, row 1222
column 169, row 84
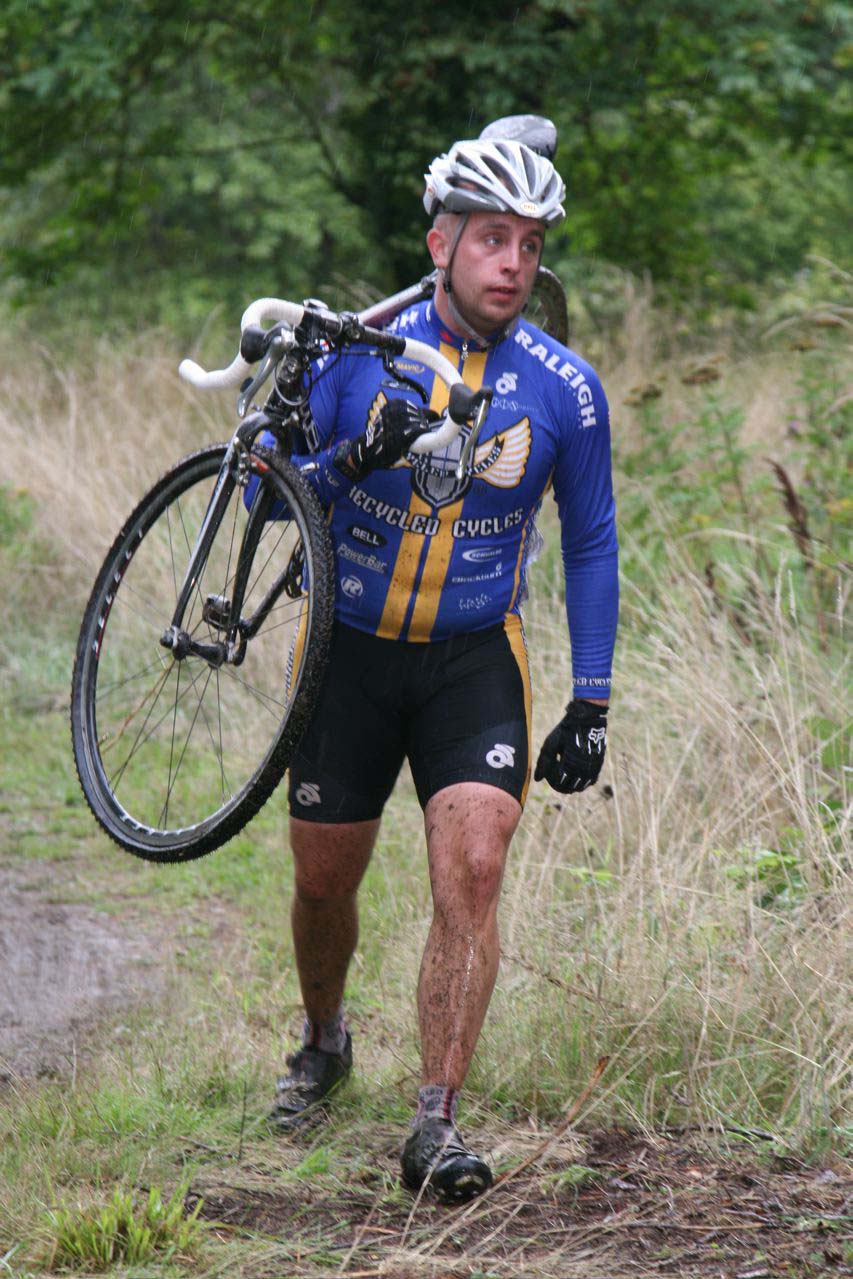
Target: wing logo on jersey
column 500, row 461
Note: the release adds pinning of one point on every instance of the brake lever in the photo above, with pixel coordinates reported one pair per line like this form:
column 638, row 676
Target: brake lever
column 275, row 350
column 471, row 442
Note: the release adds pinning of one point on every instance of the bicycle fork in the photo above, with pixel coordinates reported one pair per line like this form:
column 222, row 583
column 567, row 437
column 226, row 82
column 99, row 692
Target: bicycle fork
column 220, row 611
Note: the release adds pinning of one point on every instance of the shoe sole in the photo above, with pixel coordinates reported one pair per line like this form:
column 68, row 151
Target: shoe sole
column 467, row 1185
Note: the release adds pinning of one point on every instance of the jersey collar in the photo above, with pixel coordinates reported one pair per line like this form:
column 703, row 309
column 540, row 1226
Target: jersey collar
column 441, row 333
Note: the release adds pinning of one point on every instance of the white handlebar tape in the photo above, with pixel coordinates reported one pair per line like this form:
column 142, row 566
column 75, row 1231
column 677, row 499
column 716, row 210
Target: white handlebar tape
column 272, row 310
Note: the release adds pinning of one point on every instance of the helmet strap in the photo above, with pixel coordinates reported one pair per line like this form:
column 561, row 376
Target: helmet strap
column 457, row 236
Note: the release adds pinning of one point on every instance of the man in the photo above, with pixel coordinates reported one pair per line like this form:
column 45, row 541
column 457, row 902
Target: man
column 428, row 657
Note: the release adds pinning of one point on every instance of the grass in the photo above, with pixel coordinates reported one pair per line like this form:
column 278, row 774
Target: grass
column 122, row 1232
column 688, row 918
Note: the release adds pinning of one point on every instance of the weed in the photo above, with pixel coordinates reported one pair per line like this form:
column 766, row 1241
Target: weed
column 571, row 1178
column 777, row 873
column 122, row 1232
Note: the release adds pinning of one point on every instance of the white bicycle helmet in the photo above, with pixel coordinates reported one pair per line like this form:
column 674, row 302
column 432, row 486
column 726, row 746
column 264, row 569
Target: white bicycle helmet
column 500, row 175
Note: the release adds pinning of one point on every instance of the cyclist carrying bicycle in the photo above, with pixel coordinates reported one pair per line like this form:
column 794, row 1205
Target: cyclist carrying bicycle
column 428, row 657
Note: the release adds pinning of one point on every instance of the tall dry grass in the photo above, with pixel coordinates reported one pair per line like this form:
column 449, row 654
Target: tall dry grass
column 689, row 917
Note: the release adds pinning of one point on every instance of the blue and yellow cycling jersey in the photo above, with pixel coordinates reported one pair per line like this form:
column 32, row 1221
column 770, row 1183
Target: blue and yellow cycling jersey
column 421, row 555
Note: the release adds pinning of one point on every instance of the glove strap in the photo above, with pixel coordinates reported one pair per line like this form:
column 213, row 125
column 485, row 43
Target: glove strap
column 586, row 712
column 346, row 459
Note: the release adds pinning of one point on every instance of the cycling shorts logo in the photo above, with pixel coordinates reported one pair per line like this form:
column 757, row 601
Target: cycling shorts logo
column 506, row 382
column 308, row 793
column 352, row 587
column 501, row 756
column 480, row 554
column 366, row 535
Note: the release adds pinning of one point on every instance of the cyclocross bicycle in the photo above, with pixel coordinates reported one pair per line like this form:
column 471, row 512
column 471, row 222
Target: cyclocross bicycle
column 205, row 638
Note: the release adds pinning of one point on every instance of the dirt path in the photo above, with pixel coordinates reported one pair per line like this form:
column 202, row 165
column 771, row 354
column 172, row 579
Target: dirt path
column 64, row 967
column 672, row 1204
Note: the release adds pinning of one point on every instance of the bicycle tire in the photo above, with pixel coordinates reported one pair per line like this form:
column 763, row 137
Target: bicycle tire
column 547, row 307
column 176, row 756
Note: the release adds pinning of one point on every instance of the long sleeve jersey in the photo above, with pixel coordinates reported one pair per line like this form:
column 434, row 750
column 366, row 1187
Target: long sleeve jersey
column 421, row 555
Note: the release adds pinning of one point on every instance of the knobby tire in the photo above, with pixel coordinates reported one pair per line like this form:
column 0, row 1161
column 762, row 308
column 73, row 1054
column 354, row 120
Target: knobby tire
column 175, row 757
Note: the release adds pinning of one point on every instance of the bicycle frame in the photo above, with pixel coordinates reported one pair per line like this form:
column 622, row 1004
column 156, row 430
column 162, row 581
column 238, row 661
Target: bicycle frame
column 282, row 414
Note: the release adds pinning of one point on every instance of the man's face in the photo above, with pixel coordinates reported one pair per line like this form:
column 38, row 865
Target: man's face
column 493, row 267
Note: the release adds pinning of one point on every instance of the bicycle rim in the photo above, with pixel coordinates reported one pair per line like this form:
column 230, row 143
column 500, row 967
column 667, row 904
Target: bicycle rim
column 175, row 756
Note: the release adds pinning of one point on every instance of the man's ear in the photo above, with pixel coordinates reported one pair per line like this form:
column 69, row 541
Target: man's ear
column 438, row 245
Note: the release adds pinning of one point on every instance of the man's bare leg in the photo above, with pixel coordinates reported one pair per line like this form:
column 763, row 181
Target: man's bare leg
column 330, row 860
column 468, row 827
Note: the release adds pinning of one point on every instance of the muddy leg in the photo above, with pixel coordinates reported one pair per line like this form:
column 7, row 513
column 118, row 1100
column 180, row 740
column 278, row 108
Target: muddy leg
column 468, row 828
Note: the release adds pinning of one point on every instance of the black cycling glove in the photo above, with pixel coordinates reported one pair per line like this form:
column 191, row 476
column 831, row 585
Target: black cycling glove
column 398, row 424
column 572, row 754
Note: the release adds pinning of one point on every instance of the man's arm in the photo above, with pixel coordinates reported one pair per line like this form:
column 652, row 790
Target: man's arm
column 573, row 753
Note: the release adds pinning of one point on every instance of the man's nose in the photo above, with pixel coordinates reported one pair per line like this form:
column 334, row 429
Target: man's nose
column 511, row 260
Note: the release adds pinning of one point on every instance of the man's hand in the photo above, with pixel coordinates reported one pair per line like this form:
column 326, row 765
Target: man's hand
column 572, row 754
column 397, row 426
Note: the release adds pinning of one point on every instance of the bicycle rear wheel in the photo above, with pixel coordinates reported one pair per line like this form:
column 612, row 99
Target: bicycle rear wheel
column 176, row 754
column 547, row 306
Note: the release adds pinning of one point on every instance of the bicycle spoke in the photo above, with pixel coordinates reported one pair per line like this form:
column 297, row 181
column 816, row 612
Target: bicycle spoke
column 272, row 550
column 277, row 626
column 141, row 741
column 106, row 691
column 125, row 605
column 266, row 700
column 116, row 777
column 164, row 812
column 219, row 722
column 217, row 746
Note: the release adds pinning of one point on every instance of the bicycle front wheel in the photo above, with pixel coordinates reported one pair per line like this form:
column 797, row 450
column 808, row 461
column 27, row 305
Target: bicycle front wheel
column 175, row 753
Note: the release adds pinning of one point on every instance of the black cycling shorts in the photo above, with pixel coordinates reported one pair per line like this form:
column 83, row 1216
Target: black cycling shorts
column 458, row 709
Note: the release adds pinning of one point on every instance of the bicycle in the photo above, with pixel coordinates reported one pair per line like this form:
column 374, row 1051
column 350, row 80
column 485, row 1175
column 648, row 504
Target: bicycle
column 204, row 641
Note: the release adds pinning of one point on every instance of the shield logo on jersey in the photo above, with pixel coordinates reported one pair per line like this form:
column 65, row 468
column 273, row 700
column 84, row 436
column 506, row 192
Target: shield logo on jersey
column 434, row 474
column 500, row 461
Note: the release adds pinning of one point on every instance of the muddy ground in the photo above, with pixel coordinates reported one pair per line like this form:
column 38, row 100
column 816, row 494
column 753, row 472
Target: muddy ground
column 603, row 1205
column 642, row 1206
column 64, row 969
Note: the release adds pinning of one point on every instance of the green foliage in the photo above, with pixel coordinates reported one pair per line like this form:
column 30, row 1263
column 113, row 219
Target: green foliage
column 122, row 1232
column 16, row 515
column 280, row 149
column 739, row 517
column 776, row 873
column 570, row 1179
